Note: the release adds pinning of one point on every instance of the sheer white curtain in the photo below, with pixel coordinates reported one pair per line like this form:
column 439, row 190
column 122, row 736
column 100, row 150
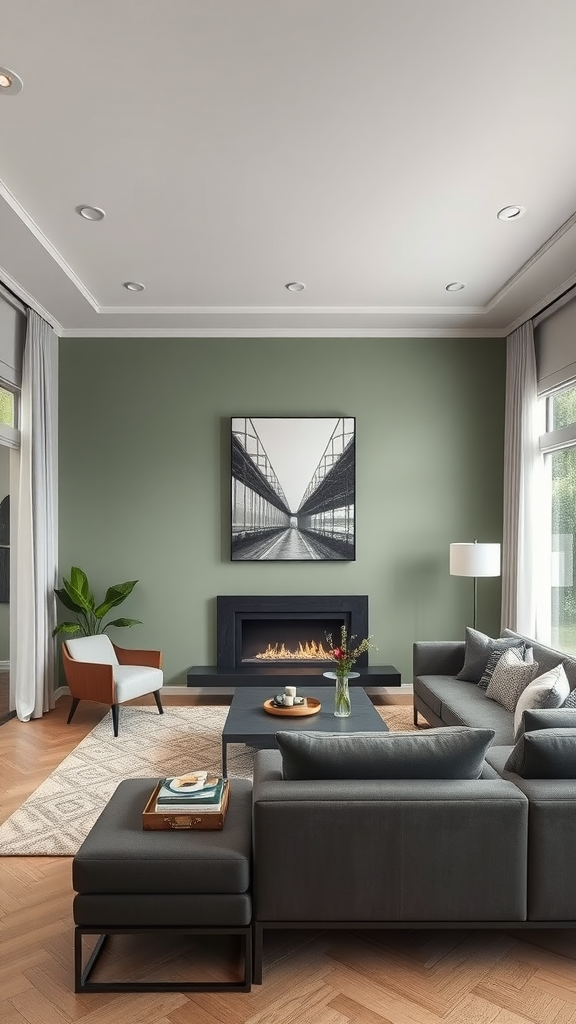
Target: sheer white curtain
column 521, row 561
column 34, row 657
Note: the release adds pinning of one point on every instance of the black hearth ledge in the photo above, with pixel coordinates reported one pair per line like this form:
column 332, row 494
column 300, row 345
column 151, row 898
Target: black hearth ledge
column 256, row 675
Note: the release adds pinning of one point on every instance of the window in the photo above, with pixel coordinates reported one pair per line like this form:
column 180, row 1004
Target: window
column 7, row 407
column 558, row 447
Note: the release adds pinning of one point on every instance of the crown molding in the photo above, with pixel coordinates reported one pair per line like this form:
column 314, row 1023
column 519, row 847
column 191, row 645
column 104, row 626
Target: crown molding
column 537, row 308
column 29, row 300
column 282, row 332
column 46, row 244
column 292, row 311
column 544, row 248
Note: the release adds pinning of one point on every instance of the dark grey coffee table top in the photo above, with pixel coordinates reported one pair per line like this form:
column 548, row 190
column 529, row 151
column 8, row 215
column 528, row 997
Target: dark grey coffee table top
column 247, row 722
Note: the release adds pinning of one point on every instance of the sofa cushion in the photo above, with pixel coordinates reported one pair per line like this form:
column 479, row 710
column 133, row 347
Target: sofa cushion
column 510, row 677
column 456, row 702
column 470, row 706
column 548, row 690
column 446, row 753
column 428, row 687
column 544, row 754
column 479, row 647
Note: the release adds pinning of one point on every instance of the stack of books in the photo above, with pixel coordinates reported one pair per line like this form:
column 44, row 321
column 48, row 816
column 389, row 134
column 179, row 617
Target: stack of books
column 196, row 791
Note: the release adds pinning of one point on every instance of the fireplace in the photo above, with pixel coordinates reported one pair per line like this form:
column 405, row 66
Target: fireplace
column 286, row 631
column 259, row 638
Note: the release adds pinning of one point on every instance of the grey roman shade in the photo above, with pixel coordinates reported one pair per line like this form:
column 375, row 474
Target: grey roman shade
column 555, row 344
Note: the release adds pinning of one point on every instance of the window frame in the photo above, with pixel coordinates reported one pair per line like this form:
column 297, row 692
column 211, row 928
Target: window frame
column 549, row 442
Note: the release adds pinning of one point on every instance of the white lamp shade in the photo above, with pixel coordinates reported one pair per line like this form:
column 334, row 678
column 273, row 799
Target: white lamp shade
column 474, row 559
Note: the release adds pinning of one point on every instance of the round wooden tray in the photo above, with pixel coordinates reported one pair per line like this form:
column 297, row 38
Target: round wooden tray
column 311, row 707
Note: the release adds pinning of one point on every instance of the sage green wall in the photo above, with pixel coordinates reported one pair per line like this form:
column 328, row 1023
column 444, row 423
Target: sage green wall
column 144, row 477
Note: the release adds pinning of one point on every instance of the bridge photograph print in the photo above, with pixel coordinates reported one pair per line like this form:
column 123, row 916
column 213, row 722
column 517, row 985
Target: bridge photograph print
column 293, row 488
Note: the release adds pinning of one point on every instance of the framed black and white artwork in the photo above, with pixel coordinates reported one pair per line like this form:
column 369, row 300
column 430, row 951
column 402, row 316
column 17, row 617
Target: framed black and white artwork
column 293, row 488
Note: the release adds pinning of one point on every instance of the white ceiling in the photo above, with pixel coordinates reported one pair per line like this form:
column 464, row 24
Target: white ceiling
column 363, row 147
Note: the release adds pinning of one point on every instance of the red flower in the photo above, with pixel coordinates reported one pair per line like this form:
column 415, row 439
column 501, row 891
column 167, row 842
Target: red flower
column 338, row 653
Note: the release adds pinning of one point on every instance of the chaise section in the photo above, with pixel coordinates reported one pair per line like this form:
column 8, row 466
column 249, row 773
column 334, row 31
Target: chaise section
column 131, row 881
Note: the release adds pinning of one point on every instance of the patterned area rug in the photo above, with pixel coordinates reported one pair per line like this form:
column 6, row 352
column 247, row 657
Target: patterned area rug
column 56, row 818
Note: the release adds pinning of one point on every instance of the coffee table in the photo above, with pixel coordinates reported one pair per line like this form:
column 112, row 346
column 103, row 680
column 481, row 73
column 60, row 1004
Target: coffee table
column 248, row 723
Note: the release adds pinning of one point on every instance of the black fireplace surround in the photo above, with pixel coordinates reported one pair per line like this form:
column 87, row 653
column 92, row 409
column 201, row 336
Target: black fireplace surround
column 242, row 620
column 286, row 636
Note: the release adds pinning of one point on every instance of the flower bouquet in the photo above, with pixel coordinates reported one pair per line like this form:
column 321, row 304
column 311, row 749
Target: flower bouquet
column 345, row 657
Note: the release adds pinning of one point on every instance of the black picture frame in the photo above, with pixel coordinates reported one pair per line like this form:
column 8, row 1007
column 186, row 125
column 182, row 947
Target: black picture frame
column 293, row 488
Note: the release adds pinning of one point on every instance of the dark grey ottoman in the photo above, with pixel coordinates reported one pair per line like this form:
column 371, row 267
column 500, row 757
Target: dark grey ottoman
column 131, row 881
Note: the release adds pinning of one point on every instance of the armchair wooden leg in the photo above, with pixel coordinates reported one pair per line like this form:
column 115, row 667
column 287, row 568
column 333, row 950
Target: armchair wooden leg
column 73, row 706
column 158, row 702
column 115, row 718
column 415, row 715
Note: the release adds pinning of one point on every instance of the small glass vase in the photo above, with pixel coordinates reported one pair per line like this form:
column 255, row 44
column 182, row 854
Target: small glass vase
column 342, row 705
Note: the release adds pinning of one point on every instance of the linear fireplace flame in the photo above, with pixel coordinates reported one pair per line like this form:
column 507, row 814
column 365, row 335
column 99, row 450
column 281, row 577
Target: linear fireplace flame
column 307, row 651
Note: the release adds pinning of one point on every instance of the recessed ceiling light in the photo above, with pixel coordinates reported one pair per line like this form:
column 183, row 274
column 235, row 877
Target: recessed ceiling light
column 511, row 212
column 91, row 212
column 295, row 286
column 10, row 82
column 455, row 286
column 133, row 286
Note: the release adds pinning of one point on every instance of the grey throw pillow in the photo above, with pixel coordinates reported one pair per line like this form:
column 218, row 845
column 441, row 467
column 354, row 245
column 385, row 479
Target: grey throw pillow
column 549, row 718
column 548, row 690
column 570, row 701
column 494, row 657
column 455, row 752
column 544, row 754
column 510, row 677
column 478, row 649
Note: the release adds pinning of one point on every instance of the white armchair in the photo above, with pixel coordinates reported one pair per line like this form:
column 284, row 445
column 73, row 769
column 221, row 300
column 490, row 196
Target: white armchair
column 96, row 669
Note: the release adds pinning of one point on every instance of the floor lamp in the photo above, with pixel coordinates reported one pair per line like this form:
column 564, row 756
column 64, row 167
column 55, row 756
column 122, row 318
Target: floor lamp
column 475, row 560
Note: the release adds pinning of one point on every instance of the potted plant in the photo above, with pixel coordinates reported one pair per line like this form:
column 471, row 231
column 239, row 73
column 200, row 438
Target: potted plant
column 76, row 595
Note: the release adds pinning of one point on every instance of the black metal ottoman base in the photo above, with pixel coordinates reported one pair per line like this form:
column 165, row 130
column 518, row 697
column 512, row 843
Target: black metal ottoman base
column 82, row 972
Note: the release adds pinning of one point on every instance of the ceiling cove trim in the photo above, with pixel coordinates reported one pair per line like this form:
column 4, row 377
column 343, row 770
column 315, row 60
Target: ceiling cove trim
column 292, row 311
column 45, row 242
column 546, row 300
column 29, row 300
column 548, row 244
column 281, row 332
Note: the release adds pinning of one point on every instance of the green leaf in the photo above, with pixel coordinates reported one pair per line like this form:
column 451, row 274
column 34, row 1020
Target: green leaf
column 68, row 627
column 124, row 622
column 114, row 595
column 78, row 589
column 67, row 601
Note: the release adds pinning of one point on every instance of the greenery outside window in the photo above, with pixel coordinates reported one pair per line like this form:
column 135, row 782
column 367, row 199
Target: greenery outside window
column 8, row 407
column 558, row 447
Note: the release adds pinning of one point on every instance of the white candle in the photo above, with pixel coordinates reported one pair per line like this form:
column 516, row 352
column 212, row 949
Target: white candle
column 290, row 691
column 288, row 700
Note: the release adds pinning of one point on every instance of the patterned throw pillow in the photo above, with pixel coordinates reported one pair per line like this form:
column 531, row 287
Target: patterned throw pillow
column 570, row 701
column 479, row 647
column 510, row 677
column 549, row 690
column 527, row 654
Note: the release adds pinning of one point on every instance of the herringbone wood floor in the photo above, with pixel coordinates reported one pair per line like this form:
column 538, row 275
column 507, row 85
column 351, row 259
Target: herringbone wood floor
column 413, row 977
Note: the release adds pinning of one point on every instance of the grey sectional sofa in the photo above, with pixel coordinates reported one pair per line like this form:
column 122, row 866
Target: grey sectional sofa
column 490, row 852
column 442, row 699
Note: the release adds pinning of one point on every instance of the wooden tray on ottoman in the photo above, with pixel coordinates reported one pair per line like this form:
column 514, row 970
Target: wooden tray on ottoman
column 211, row 821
